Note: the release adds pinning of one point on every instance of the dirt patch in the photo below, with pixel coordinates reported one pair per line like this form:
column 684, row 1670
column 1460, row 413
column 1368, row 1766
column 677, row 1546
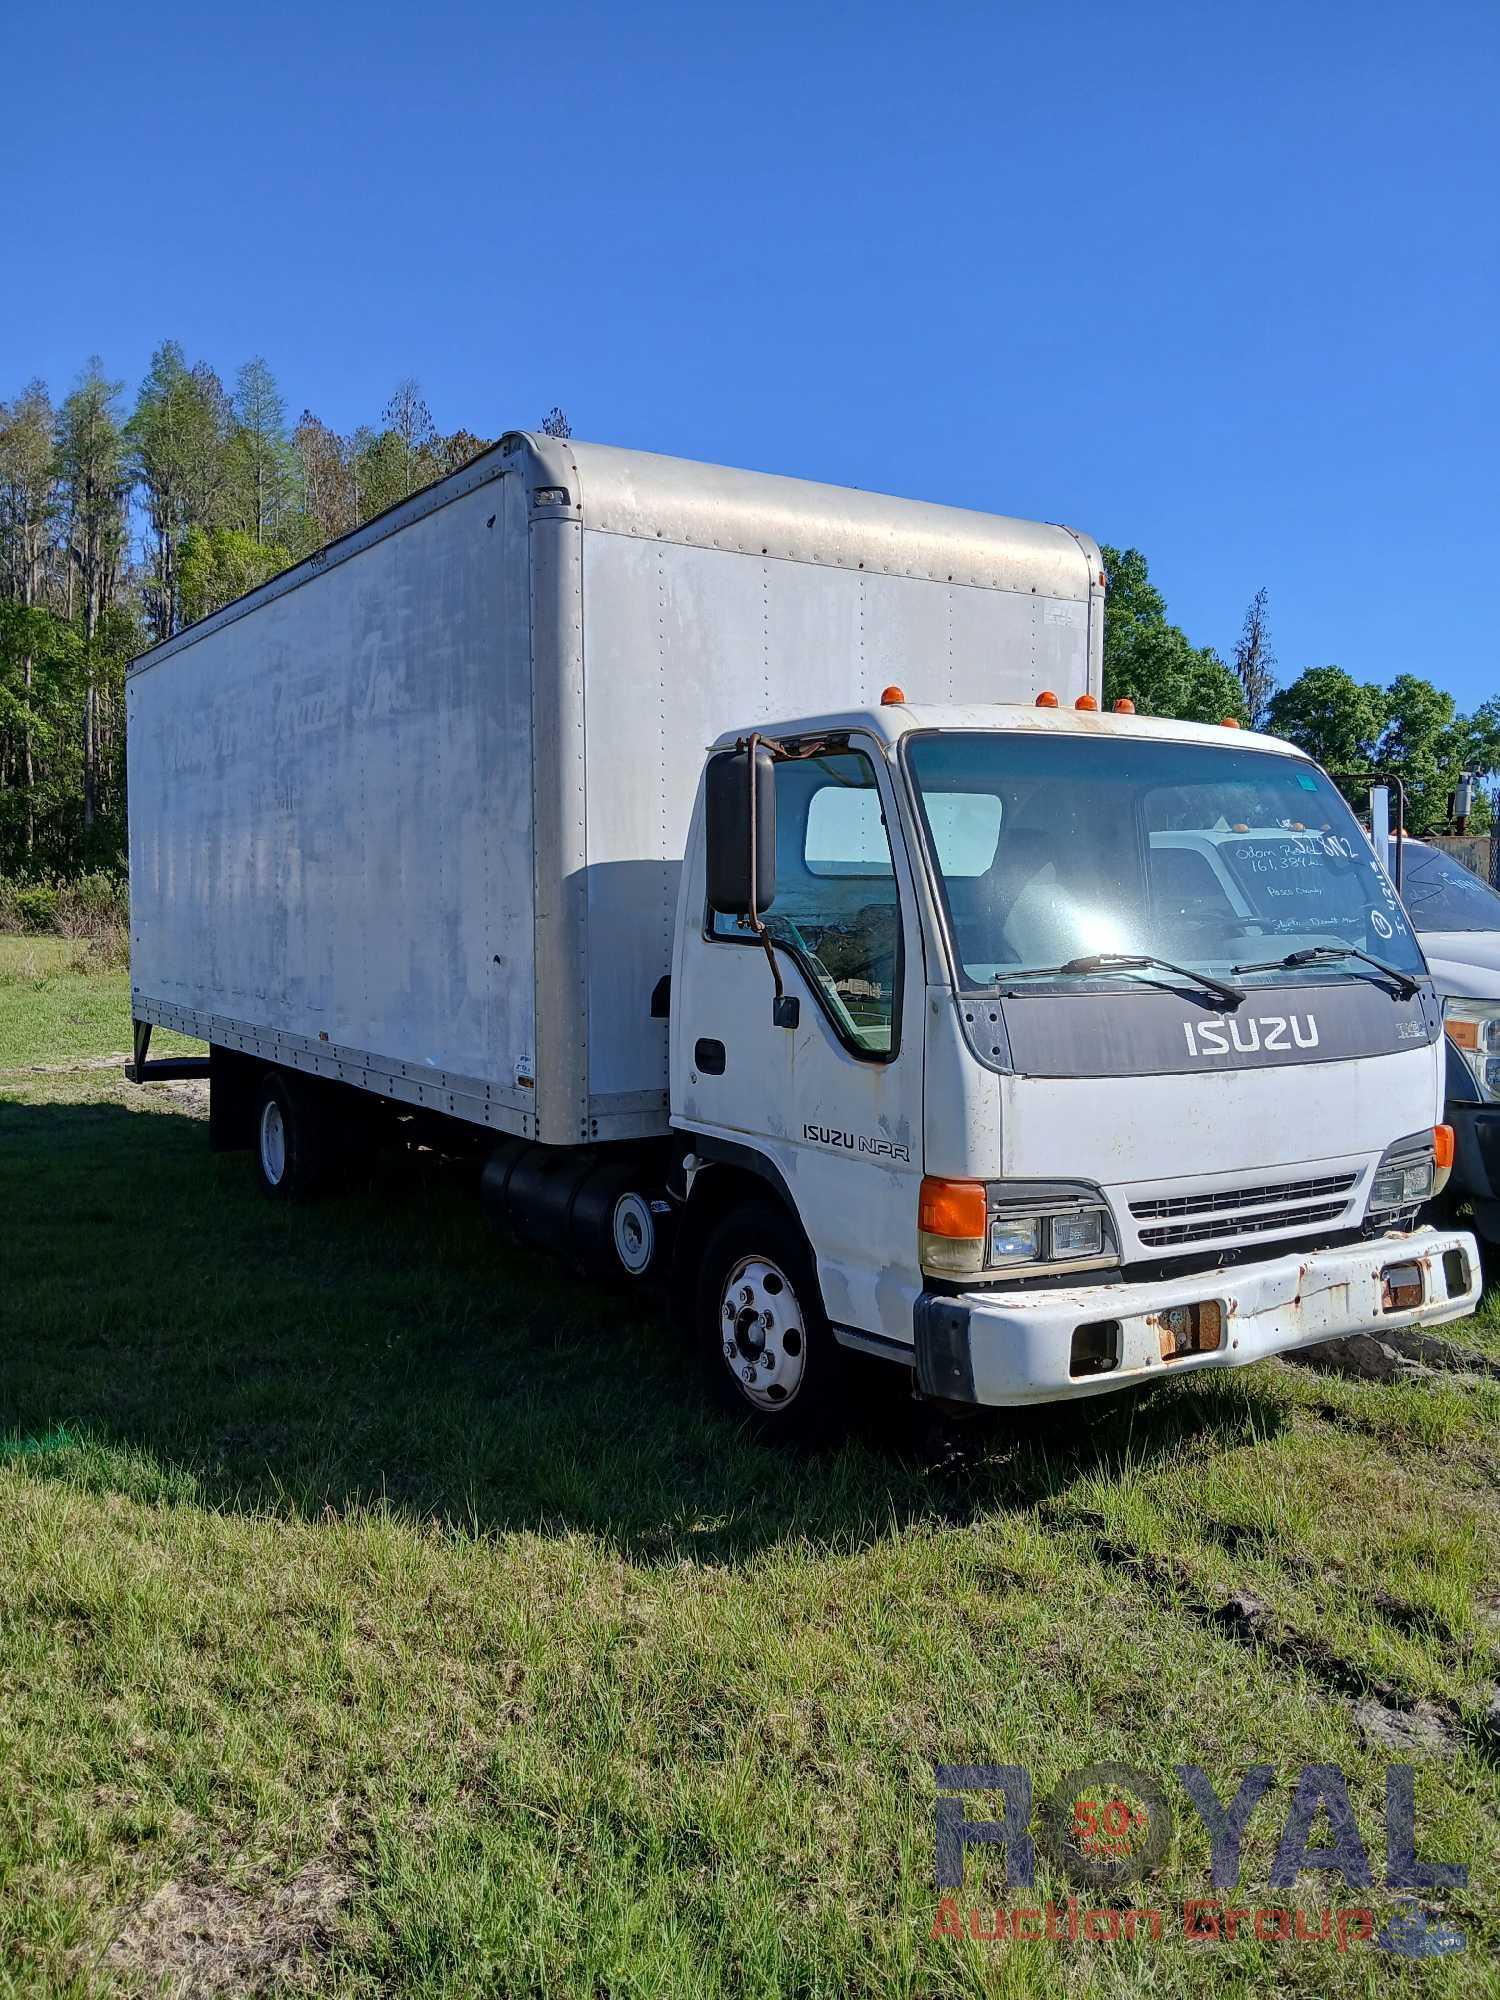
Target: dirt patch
column 1422, row 1728
column 1395, row 1355
column 68, row 1068
column 202, row 1938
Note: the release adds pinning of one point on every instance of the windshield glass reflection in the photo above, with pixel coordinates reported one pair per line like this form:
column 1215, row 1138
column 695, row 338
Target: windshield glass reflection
column 1056, row 847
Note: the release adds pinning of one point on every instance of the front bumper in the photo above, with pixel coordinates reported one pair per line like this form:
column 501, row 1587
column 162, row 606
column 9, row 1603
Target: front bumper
column 1019, row 1346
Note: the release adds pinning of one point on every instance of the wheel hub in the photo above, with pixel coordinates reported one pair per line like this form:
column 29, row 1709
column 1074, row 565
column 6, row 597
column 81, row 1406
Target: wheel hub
column 764, row 1339
column 634, row 1231
column 273, row 1142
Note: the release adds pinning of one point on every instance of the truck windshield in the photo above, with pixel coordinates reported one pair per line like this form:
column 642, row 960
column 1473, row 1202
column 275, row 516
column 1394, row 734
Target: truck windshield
column 1050, row 848
column 1442, row 895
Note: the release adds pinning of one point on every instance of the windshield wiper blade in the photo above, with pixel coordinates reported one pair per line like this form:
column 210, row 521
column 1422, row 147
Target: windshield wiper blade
column 1129, row 961
column 1323, row 954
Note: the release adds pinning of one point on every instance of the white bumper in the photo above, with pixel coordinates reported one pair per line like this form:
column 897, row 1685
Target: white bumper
column 1018, row 1346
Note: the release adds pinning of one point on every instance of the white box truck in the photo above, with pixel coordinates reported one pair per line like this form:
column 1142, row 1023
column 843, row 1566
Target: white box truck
column 747, row 868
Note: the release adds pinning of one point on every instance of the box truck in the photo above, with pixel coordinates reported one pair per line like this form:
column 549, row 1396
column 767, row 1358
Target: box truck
column 747, row 869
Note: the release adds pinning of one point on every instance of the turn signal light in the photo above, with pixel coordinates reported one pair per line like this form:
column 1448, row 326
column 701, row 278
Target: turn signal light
column 892, row 697
column 951, row 1208
column 1442, row 1147
column 951, row 1222
column 1085, row 701
column 1046, row 699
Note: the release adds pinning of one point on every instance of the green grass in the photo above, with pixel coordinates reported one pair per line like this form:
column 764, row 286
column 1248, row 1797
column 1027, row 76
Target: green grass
column 55, row 1007
column 342, row 1549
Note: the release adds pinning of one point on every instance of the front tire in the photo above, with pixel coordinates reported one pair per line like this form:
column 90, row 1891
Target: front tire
column 768, row 1353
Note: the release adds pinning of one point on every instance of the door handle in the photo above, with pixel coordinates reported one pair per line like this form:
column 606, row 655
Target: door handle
column 708, row 1056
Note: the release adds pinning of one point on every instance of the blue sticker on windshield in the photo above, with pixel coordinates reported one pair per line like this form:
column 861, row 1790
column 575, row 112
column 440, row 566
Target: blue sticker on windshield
column 1307, row 784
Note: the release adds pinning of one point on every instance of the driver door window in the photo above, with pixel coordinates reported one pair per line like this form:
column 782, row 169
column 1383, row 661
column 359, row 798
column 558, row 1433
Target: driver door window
column 836, row 910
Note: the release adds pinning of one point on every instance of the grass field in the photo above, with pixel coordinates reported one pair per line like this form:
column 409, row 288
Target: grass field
column 381, row 1612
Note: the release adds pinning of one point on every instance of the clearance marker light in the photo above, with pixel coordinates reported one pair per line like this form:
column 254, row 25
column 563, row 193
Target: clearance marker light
column 1085, row 701
column 1124, row 706
column 1228, row 722
column 892, row 697
column 1046, row 699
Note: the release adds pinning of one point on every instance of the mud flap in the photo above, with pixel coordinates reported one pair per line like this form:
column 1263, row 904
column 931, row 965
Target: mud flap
column 945, row 1366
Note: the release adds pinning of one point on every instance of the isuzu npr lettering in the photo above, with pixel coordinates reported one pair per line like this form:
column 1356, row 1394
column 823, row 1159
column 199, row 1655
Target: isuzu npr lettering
column 747, row 869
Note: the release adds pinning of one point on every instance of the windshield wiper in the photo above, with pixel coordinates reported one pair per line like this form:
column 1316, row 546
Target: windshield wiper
column 1323, row 954
column 1127, row 961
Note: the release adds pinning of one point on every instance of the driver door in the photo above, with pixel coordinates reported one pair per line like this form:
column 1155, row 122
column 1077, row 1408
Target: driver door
column 834, row 1103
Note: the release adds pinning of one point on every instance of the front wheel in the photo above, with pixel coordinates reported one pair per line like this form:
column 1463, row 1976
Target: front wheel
column 768, row 1352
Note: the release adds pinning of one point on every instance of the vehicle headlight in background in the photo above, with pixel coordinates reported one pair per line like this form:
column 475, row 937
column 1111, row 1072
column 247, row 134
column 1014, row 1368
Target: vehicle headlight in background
column 973, row 1229
column 1473, row 1027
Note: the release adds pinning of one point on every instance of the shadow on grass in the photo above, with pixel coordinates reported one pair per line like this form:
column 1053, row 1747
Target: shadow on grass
column 169, row 1333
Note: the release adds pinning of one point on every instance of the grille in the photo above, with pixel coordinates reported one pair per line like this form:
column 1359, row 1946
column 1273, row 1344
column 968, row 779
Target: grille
column 1243, row 1225
column 1245, row 1197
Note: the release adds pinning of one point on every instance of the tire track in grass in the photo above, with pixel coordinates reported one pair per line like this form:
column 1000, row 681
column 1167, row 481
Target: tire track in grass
column 1384, row 1713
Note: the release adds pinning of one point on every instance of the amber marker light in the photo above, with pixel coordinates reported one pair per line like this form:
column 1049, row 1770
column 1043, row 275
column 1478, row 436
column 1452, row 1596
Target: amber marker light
column 892, row 697
column 1046, row 699
column 951, row 1224
column 1124, row 706
column 1085, row 701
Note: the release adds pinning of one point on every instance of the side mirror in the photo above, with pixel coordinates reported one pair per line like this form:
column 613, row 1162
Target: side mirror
column 730, row 799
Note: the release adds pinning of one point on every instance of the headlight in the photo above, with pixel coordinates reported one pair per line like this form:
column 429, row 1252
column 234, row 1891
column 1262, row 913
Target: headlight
column 1080, row 1235
column 1473, row 1027
column 1014, row 1240
column 969, row 1229
column 1069, row 1229
column 1402, row 1183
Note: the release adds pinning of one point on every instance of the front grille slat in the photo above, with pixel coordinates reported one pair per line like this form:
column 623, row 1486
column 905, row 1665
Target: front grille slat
column 1245, row 1197
column 1242, row 1225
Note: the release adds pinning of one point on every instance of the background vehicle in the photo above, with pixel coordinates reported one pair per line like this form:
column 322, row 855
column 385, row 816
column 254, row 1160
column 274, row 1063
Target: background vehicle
column 1457, row 918
column 892, row 1028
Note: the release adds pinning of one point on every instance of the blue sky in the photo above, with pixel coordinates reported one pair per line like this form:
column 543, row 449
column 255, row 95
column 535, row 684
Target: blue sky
column 1218, row 281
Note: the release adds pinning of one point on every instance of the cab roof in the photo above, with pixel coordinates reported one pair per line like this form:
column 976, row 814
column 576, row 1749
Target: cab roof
column 892, row 720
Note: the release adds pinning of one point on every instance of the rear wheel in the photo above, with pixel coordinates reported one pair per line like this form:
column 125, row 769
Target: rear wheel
column 620, row 1223
column 292, row 1138
column 768, row 1353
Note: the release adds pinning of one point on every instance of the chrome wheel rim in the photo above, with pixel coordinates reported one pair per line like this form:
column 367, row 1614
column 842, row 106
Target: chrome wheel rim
column 762, row 1334
column 272, row 1142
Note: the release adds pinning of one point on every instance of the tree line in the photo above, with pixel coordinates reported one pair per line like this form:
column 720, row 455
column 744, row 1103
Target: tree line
column 1410, row 729
column 118, row 527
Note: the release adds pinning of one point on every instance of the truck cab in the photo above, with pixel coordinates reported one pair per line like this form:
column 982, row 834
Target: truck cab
column 1044, row 1052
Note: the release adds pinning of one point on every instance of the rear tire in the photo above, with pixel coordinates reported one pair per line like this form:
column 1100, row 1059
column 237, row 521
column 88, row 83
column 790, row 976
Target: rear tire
column 621, row 1225
column 292, row 1138
column 768, row 1353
